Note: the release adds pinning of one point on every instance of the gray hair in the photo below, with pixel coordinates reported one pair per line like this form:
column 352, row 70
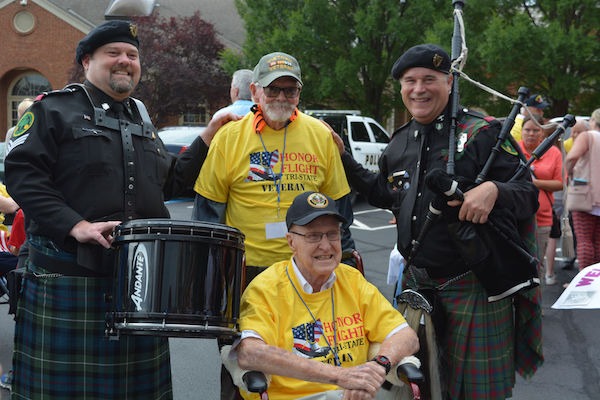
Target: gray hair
column 242, row 78
column 595, row 119
column 23, row 106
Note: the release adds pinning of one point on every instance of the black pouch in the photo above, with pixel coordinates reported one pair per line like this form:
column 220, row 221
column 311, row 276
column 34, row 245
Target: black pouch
column 14, row 283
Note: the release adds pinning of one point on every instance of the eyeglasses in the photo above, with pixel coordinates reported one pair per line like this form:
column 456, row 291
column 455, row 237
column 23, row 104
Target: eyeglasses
column 316, row 237
column 289, row 92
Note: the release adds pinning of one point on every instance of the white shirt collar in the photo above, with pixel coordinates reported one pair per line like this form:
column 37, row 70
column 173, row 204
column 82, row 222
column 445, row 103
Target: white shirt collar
column 306, row 287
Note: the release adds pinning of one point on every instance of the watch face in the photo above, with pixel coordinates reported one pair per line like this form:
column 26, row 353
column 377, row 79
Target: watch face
column 383, row 359
column 384, row 362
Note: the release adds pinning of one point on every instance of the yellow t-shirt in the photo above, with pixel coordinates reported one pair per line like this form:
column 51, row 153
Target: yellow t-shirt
column 271, row 307
column 516, row 129
column 239, row 172
column 568, row 144
column 3, row 193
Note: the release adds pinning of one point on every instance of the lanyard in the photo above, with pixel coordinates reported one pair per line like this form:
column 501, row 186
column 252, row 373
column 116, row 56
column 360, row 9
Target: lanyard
column 277, row 181
column 334, row 350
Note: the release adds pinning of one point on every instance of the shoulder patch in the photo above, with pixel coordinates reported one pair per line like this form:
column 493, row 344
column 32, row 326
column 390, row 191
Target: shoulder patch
column 508, row 147
column 24, row 124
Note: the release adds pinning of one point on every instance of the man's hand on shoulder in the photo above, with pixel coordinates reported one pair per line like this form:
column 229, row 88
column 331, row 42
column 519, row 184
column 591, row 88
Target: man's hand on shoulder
column 478, row 203
column 215, row 124
column 94, row 232
column 336, row 138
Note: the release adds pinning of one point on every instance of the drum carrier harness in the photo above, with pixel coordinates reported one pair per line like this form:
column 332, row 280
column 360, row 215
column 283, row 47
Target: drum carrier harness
column 93, row 260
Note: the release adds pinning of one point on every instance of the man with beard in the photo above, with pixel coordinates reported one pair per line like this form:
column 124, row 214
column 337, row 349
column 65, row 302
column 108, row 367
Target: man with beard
column 83, row 159
column 257, row 166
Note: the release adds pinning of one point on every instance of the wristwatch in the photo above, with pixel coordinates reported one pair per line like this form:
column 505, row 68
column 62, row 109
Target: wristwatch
column 384, row 362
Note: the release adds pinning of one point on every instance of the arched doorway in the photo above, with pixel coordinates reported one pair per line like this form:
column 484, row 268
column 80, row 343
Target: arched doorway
column 26, row 85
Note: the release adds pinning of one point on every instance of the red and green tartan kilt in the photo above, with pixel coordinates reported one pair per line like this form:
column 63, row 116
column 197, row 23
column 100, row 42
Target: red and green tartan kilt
column 480, row 349
column 61, row 353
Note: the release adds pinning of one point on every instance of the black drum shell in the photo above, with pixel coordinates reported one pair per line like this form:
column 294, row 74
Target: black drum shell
column 177, row 278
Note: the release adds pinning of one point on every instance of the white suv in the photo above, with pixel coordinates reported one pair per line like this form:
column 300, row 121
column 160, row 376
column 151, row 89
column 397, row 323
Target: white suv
column 362, row 136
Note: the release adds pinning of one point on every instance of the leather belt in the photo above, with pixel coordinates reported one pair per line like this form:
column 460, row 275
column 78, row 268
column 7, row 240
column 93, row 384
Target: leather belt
column 67, row 267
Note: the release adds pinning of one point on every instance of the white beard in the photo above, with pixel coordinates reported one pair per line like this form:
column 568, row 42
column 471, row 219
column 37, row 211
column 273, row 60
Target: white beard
column 278, row 111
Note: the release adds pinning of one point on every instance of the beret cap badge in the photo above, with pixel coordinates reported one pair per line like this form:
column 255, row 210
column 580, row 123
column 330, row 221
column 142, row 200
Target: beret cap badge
column 133, row 30
column 437, row 60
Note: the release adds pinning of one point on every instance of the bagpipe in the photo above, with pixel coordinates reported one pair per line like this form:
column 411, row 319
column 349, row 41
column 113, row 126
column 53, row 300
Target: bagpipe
column 495, row 251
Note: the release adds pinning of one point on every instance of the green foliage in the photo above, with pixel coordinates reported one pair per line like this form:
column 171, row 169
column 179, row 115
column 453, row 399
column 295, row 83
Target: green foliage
column 549, row 46
column 346, row 48
column 231, row 61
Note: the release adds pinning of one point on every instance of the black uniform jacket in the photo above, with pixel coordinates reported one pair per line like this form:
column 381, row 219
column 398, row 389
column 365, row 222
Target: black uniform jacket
column 64, row 168
column 414, row 150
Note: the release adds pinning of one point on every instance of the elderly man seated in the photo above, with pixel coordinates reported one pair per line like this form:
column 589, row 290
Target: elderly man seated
column 308, row 321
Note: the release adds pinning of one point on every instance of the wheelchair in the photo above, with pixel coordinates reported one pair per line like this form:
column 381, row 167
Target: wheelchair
column 403, row 381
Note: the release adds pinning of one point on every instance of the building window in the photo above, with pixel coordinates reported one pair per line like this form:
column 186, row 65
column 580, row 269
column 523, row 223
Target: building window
column 200, row 118
column 30, row 85
column 24, row 22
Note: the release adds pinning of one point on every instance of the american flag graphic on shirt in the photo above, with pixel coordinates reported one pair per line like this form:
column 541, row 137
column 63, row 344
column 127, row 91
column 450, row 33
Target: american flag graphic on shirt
column 306, row 340
column 261, row 165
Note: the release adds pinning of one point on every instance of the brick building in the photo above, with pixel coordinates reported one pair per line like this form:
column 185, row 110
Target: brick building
column 39, row 37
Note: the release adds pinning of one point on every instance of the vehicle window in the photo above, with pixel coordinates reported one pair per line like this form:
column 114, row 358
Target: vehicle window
column 337, row 123
column 359, row 132
column 380, row 135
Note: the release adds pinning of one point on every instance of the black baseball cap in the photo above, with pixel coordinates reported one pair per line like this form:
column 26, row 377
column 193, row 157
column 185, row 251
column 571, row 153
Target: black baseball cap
column 308, row 206
column 536, row 101
column 108, row 32
column 429, row 56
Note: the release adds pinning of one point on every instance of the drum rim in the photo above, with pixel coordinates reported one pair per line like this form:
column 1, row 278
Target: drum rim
column 134, row 230
column 165, row 222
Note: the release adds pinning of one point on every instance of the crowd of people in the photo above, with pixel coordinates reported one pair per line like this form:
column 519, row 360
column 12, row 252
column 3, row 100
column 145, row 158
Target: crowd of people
column 86, row 158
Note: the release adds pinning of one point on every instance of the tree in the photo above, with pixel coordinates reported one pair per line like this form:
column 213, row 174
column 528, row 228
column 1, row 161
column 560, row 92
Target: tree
column 550, row 46
column 180, row 66
column 346, row 48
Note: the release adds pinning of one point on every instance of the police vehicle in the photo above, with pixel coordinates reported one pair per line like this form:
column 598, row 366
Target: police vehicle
column 363, row 136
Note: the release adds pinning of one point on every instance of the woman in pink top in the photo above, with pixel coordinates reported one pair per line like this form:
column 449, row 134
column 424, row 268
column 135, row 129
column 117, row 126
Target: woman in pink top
column 587, row 224
column 548, row 179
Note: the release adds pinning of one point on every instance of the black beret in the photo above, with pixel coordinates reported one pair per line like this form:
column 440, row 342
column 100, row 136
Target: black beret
column 424, row 55
column 108, row 32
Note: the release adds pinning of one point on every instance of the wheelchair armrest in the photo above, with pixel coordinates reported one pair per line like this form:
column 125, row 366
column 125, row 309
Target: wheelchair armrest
column 251, row 381
column 410, row 373
column 255, row 381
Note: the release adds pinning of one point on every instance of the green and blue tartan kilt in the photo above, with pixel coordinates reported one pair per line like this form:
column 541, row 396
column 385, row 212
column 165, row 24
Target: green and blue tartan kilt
column 61, row 353
column 480, row 340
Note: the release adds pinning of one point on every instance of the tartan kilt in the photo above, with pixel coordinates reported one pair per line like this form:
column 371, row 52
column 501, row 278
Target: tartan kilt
column 479, row 340
column 60, row 350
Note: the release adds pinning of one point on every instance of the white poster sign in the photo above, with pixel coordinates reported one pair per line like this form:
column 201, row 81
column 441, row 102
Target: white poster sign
column 583, row 291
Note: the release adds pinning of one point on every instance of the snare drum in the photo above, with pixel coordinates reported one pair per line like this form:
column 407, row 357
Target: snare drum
column 176, row 278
